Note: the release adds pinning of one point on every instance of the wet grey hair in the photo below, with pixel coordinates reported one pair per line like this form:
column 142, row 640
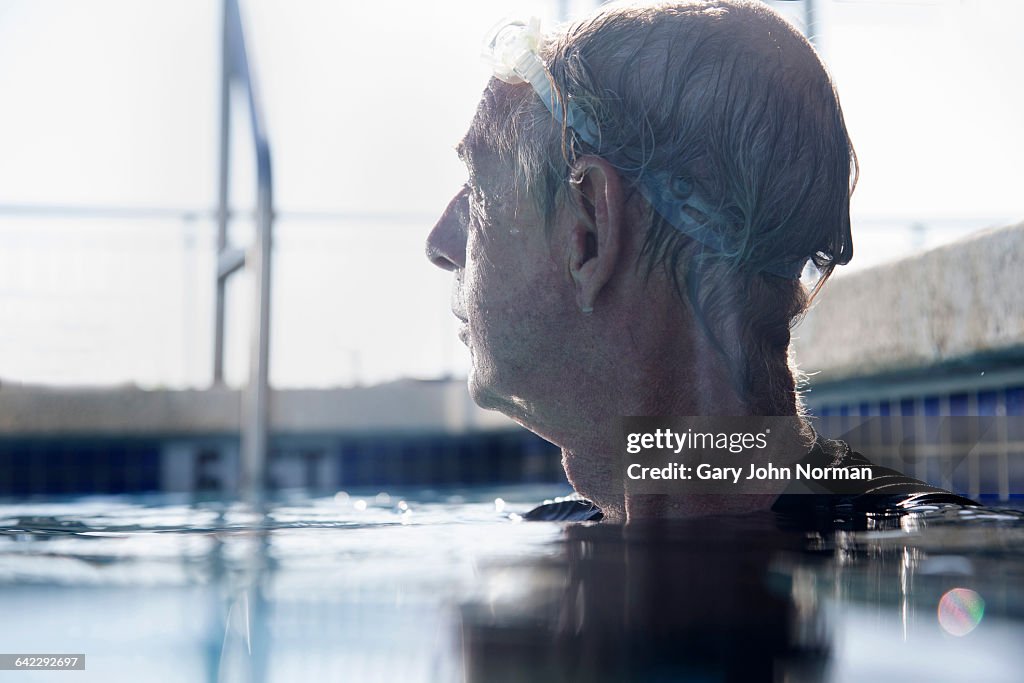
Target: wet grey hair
column 728, row 96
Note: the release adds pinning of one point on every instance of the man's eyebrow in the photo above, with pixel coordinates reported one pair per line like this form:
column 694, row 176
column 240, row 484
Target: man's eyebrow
column 465, row 150
column 467, row 146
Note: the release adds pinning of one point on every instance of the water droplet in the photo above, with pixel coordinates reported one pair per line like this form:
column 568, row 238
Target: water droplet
column 359, row 505
column 499, row 505
column 341, row 498
column 382, row 498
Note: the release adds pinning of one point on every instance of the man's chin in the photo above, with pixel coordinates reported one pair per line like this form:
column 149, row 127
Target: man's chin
column 596, row 481
column 485, row 393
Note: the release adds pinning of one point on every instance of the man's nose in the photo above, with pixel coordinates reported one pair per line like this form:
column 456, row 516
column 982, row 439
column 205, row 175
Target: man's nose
column 446, row 243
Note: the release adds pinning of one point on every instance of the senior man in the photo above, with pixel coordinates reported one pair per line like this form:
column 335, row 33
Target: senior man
column 645, row 189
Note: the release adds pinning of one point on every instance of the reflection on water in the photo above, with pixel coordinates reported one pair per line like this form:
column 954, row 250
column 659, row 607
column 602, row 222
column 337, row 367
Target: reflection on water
column 692, row 600
column 427, row 586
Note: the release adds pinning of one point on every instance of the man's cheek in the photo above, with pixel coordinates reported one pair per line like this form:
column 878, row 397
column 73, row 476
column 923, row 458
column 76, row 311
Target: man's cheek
column 484, row 286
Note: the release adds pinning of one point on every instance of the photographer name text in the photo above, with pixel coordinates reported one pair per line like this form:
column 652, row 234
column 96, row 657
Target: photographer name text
column 705, row 472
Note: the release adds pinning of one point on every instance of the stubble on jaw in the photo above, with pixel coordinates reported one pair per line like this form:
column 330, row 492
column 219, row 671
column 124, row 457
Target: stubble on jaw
column 597, row 479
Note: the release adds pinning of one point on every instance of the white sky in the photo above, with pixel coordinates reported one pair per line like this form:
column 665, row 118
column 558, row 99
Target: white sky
column 114, row 103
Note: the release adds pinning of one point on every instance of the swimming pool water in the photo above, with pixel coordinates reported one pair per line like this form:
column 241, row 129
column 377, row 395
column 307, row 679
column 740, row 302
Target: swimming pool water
column 452, row 586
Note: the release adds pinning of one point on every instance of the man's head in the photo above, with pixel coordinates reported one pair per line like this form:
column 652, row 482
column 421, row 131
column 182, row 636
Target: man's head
column 576, row 291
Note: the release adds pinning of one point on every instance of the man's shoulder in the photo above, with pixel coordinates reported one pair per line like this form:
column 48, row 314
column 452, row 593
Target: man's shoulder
column 573, row 508
column 886, row 490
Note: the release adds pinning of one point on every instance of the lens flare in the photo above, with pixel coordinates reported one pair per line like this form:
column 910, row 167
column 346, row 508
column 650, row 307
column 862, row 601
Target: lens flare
column 960, row 611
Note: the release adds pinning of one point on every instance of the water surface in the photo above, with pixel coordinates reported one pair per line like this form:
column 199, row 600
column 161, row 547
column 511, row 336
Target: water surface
column 453, row 586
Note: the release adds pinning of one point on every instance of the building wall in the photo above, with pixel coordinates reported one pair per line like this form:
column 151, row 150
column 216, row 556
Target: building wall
column 939, row 334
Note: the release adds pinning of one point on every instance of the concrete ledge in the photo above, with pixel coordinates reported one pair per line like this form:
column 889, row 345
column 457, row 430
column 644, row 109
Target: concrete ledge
column 406, row 406
column 959, row 301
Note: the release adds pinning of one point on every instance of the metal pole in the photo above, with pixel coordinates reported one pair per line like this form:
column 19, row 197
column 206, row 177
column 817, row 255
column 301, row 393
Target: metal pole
column 256, row 402
column 256, row 415
column 810, row 17
column 222, row 193
column 256, row 430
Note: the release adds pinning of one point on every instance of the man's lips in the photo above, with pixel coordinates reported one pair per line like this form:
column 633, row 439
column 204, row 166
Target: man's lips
column 464, row 327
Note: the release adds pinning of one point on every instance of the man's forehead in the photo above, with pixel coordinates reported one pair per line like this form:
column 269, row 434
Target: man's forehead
column 477, row 144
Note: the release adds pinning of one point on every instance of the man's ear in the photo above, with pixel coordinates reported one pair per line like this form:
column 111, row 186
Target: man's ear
column 598, row 225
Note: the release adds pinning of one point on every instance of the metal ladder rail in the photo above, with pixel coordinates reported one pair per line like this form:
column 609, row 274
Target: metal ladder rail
column 256, row 403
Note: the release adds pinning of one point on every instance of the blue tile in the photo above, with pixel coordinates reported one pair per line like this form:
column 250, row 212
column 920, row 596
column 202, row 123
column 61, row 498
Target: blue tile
column 987, row 402
column 1015, row 401
column 907, row 406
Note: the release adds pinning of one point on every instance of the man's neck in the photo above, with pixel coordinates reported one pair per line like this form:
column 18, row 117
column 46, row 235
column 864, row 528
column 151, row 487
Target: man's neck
column 592, row 445
column 654, row 366
column 593, row 452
